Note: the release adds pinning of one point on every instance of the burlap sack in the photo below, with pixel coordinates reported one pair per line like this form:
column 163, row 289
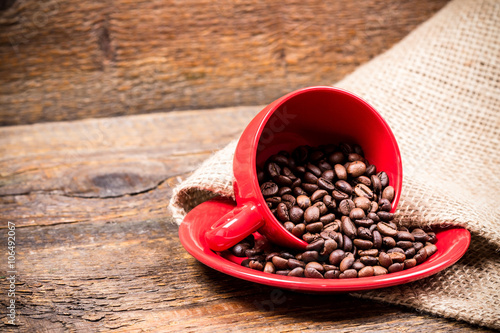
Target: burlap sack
column 439, row 90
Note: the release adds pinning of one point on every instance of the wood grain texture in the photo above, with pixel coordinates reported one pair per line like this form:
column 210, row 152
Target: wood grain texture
column 104, row 255
column 62, row 60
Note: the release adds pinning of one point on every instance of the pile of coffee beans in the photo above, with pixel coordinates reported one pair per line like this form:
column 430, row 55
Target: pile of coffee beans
column 336, row 201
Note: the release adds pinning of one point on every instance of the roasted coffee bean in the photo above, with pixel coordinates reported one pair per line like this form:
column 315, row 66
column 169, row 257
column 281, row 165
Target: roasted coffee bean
column 293, row 263
column 280, row 263
column 345, row 206
column 409, row 253
column 336, row 257
column 299, row 230
column 332, row 274
column 363, row 203
column 282, row 180
column 314, row 227
column 396, row 267
column 300, row 154
column 346, row 263
column 364, row 233
column 309, row 237
column 361, row 190
column 384, row 259
column 324, row 165
column 404, row 244
column 273, row 169
column 431, row 237
column 310, row 256
column 284, row 272
column 257, row 265
column 419, row 235
column 366, row 271
column 344, row 186
column 298, row 191
column 388, row 242
column 348, row 246
column 322, row 208
column 377, row 239
column 325, row 184
column 340, row 171
column 239, row 249
column 282, row 213
column 421, row 256
column 329, row 202
column 362, row 244
column 357, row 265
column 273, row 201
column 397, row 257
column 303, row 201
column 354, row 157
column 325, row 219
column 316, row 155
column 296, row 183
column 373, row 216
column 289, row 201
column 388, row 193
column 311, row 214
column 309, row 177
column 356, row 169
column 396, row 249
column 409, row 263
column 312, row 273
column 309, row 188
column 284, row 190
column 297, row 272
column 336, row 158
column 356, row 214
column 430, row 249
column 384, row 204
column 289, row 226
column 314, row 169
column 288, row 173
column 338, row 195
column 369, row 260
column 316, row 265
column 384, row 179
column 269, row 189
column 405, row 236
column 418, row 246
column 328, row 175
column 386, row 229
column 318, row 195
column 385, row 216
column 379, row 270
column 363, row 180
column 296, row 214
column 370, row 252
column 328, row 247
column 349, row 274
column 370, row 170
column 348, row 228
column 269, row 268
column 376, row 184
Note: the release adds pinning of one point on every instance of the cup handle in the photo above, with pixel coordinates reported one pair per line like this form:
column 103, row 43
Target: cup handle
column 233, row 227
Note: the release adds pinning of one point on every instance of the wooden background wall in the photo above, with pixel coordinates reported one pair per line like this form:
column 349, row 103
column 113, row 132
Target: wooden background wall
column 69, row 59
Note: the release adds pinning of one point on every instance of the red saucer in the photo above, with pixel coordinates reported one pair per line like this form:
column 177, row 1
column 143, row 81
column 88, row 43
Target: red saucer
column 451, row 243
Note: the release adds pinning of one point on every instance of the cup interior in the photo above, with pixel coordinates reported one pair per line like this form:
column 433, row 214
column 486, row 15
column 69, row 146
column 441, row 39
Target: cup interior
column 326, row 115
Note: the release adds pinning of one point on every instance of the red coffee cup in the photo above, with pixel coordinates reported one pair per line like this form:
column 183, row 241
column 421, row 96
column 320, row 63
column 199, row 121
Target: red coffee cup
column 311, row 116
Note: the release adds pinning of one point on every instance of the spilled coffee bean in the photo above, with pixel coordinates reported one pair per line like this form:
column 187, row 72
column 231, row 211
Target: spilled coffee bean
column 335, row 200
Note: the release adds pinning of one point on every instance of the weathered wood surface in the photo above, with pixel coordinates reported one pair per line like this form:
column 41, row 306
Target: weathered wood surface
column 97, row 249
column 63, row 60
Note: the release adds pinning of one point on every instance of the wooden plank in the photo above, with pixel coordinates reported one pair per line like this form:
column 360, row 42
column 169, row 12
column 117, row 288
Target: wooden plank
column 62, row 60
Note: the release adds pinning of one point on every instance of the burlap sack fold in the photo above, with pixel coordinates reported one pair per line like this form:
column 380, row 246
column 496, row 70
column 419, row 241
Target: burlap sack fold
column 439, row 90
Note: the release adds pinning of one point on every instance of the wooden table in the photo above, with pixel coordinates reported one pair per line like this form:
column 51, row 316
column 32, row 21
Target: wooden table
column 96, row 248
